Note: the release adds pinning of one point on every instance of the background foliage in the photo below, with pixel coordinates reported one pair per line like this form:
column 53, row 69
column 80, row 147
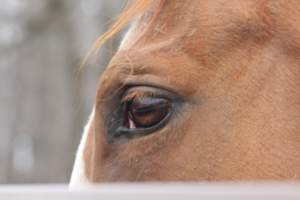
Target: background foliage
column 44, row 98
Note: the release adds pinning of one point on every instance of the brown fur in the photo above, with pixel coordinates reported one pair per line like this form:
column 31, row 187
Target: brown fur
column 237, row 63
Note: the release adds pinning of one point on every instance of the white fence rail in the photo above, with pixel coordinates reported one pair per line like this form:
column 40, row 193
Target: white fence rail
column 197, row 191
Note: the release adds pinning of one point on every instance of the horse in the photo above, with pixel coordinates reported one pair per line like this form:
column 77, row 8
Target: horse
column 199, row 90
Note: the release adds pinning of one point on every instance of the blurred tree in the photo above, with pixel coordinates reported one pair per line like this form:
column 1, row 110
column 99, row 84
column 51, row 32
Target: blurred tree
column 44, row 98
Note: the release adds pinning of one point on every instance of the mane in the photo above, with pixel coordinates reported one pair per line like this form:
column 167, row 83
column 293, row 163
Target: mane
column 135, row 9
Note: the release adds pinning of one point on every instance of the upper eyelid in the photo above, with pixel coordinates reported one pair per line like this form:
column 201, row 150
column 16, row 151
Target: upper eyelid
column 136, row 94
column 128, row 96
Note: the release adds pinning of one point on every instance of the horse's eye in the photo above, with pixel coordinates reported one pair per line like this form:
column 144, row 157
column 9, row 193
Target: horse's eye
column 146, row 112
column 141, row 110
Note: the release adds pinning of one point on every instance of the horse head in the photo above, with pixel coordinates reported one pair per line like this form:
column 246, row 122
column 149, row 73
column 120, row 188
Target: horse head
column 199, row 91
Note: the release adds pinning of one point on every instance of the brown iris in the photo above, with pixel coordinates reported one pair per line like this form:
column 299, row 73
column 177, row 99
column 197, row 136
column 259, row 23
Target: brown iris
column 145, row 112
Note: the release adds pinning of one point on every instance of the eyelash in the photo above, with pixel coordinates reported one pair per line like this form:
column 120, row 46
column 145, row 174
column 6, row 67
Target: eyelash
column 137, row 95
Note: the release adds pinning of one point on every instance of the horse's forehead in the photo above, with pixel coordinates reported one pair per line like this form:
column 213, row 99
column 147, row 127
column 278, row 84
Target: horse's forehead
column 200, row 35
column 214, row 21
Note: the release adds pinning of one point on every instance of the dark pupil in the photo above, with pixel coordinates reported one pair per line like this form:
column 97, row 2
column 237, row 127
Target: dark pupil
column 148, row 111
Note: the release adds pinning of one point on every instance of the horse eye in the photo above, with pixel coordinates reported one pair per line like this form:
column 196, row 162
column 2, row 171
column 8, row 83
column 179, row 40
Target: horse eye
column 146, row 112
column 140, row 111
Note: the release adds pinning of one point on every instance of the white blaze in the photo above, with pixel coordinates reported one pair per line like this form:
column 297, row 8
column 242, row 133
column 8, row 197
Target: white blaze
column 78, row 177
